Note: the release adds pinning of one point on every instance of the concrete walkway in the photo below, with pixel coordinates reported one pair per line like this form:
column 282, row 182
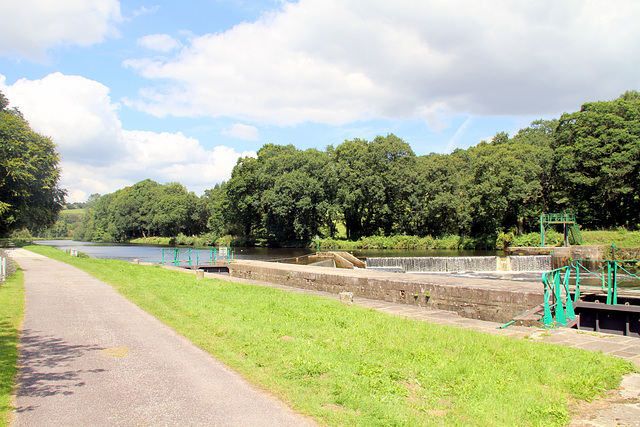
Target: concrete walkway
column 89, row 357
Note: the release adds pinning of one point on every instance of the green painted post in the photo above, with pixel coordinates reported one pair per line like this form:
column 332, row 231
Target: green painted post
column 176, row 257
column 609, row 278
column 560, row 313
column 571, row 314
column 547, row 319
column 615, row 283
column 577, row 294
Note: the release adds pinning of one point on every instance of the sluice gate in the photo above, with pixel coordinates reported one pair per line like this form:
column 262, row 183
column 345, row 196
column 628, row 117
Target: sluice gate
column 461, row 264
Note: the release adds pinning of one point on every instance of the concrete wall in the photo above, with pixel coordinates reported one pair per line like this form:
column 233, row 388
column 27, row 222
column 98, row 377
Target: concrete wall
column 563, row 254
column 498, row 301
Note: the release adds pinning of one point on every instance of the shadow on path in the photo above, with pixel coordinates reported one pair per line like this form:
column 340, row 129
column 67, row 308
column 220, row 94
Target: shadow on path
column 46, row 366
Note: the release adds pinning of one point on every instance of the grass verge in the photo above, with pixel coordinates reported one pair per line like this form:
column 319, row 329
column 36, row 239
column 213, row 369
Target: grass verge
column 354, row 366
column 11, row 314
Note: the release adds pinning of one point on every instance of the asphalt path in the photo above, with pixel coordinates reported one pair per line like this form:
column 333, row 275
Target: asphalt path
column 90, row 357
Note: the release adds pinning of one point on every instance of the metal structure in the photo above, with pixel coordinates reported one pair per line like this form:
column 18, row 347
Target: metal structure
column 558, row 306
column 569, row 226
column 193, row 257
column 600, row 310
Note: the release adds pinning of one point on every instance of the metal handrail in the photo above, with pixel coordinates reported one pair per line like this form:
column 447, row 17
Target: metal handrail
column 556, row 288
column 192, row 255
column 558, row 306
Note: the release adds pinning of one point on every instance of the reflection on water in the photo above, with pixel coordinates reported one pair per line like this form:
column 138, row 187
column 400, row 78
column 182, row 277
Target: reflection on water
column 153, row 253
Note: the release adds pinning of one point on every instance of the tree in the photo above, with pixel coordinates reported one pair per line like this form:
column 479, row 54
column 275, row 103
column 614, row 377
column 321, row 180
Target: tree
column 444, row 202
column 597, row 153
column 374, row 181
column 29, row 174
column 280, row 196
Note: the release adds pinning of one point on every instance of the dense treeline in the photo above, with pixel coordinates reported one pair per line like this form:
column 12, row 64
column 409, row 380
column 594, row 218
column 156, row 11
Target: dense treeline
column 586, row 162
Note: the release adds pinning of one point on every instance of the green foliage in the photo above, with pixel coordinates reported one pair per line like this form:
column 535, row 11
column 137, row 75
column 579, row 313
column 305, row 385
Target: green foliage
column 373, row 182
column 620, row 237
column 29, row 174
column 408, row 243
column 280, row 196
column 597, row 153
column 352, row 366
column 143, row 210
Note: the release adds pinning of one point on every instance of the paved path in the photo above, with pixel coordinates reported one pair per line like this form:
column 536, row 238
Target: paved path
column 89, row 357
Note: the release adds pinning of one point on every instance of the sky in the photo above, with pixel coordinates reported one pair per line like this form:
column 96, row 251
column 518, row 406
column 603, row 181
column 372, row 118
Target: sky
column 178, row 91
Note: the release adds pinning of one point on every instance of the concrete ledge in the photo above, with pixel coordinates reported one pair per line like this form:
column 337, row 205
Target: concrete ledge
column 492, row 300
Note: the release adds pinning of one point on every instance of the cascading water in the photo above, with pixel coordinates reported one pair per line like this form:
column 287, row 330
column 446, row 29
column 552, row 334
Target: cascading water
column 462, row 264
column 531, row 263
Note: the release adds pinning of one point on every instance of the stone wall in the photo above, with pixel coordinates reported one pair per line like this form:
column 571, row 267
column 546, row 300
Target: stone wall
column 562, row 255
column 493, row 300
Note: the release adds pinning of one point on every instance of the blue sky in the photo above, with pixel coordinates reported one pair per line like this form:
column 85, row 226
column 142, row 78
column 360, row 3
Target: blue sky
column 177, row 91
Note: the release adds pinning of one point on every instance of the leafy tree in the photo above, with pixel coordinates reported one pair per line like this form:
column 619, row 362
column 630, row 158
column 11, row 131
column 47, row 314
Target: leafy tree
column 373, row 183
column 243, row 195
column 280, row 195
column 29, row 175
column 597, row 151
column 213, row 205
column 444, row 202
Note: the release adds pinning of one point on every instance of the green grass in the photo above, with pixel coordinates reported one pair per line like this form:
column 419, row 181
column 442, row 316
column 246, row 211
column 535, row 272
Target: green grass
column 621, row 237
column 152, row 240
column 353, row 366
column 11, row 314
column 76, row 212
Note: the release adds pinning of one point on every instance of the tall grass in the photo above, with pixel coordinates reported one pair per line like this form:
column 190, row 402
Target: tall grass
column 354, row 366
column 11, row 314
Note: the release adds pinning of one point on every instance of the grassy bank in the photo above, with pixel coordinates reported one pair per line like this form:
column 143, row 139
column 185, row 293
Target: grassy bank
column 11, row 313
column 353, row 366
column 621, row 237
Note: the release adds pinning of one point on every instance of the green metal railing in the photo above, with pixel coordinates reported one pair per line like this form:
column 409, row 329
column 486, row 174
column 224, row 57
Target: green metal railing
column 558, row 218
column 558, row 306
column 570, row 225
column 194, row 257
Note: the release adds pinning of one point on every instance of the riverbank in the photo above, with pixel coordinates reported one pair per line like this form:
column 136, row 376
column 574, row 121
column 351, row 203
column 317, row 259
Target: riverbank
column 346, row 365
column 621, row 238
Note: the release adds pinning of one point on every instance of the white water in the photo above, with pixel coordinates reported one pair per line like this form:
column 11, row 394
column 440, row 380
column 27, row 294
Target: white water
column 462, row 264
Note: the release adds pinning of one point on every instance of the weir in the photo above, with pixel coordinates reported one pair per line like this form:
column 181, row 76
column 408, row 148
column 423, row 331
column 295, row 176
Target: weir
column 461, row 264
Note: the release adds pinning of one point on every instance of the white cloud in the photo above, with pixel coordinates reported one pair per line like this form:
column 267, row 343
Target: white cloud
column 98, row 156
column 76, row 112
column 159, row 42
column 339, row 61
column 30, row 27
column 146, row 11
column 246, row 132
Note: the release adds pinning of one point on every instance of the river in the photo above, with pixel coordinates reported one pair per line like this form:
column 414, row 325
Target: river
column 153, row 253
